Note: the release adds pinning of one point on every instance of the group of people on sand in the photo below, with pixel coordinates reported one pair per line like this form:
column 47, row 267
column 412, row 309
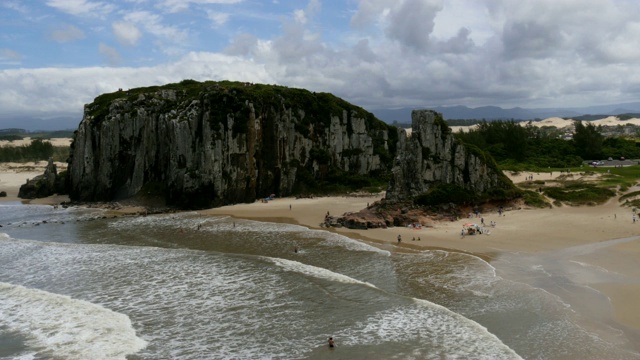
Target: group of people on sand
column 414, row 238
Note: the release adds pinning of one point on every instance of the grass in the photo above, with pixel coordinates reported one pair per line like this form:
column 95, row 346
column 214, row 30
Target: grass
column 580, row 193
column 564, row 190
column 630, row 195
column 27, row 153
column 535, row 199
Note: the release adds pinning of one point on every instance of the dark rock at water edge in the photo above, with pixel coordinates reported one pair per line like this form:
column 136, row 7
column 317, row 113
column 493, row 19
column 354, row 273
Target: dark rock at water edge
column 44, row 185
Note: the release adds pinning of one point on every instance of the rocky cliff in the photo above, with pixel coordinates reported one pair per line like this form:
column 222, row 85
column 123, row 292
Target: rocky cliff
column 215, row 143
column 430, row 155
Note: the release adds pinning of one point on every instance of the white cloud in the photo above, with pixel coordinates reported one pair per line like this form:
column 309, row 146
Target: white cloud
column 152, row 23
column 8, row 54
column 299, row 16
column 403, row 53
column 15, row 5
column 67, row 33
column 82, row 7
column 218, row 18
column 110, row 54
column 302, row 16
column 412, row 22
column 369, row 12
column 181, row 5
column 67, row 90
column 242, row 45
column 409, row 22
column 126, row 33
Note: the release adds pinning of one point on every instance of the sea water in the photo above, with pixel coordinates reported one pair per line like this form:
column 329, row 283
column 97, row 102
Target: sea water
column 75, row 284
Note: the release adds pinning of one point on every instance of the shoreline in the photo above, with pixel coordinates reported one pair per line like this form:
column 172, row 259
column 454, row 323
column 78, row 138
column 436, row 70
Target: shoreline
column 586, row 235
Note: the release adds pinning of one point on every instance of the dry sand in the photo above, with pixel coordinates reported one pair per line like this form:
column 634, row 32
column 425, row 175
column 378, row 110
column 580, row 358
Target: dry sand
column 14, row 175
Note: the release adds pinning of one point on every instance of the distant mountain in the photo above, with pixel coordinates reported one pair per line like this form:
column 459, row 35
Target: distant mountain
column 403, row 115
column 35, row 123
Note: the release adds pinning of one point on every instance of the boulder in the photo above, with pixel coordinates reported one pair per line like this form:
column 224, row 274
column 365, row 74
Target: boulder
column 42, row 185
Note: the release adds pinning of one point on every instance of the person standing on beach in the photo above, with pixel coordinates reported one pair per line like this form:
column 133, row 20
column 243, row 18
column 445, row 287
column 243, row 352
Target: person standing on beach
column 332, row 343
column 400, row 236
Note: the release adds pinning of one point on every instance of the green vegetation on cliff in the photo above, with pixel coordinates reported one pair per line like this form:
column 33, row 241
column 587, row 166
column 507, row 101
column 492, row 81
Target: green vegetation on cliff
column 231, row 97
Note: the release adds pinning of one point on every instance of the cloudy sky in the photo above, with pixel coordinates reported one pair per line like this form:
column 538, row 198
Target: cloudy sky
column 57, row 55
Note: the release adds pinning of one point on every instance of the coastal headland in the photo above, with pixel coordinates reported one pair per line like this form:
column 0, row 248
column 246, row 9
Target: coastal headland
column 588, row 235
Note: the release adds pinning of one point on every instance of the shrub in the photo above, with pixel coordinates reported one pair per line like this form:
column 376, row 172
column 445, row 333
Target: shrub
column 579, row 193
column 445, row 193
column 535, row 199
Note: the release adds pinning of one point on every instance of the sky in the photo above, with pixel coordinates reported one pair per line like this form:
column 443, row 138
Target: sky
column 57, row 55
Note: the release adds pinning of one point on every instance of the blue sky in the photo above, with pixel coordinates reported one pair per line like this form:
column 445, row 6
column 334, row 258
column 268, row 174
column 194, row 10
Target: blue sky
column 57, row 55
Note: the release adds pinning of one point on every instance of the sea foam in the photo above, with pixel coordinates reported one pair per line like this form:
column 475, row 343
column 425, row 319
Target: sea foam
column 317, row 272
column 451, row 334
column 60, row 326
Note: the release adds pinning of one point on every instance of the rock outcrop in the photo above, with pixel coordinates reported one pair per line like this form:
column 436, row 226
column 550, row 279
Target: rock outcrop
column 43, row 185
column 211, row 144
column 215, row 143
column 431, row 155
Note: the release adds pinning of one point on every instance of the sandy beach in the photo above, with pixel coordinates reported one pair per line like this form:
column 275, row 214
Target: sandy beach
column 14, row 175
column 585, row 235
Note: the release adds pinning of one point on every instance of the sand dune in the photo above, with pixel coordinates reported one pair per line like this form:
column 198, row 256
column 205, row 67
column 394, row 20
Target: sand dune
column 563, row 123
column 557, row 122
column 26, row 141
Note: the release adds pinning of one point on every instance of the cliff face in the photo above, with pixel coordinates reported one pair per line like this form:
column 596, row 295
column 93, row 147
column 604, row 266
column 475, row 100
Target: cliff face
column 431, row 155
column 210, row 144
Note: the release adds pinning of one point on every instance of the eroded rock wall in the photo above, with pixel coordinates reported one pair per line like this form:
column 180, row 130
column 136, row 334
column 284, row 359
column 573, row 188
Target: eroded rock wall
column 220, row 146
column 431, row 155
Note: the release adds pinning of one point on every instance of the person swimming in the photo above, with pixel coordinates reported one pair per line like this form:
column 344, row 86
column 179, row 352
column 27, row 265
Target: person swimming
column 332, row 343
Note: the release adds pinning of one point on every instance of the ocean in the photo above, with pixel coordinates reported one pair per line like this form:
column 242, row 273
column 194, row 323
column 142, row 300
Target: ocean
column 75, row 284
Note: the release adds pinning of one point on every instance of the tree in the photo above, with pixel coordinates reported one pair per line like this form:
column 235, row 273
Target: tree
column 587, row 140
